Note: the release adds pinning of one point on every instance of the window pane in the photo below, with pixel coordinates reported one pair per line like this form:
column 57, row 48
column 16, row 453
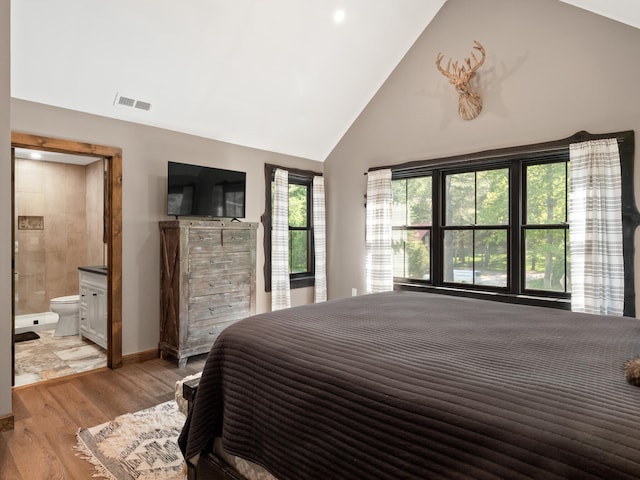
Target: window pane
column 398, row 243
column 298, row 242
column 491, row 260
column 460, row 199
column 546, row 194
column 399, row 192
column 492, row 197
column 458, row 256
column 487, row 266
column 411, row 254
column 419, row 201
column 418, row 254
column 545, row 260
column 298, row 205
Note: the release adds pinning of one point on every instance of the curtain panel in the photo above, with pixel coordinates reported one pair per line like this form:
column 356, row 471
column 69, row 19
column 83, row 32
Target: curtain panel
column 379, row 266
column 280, row 289
column 319, row 240
column 595, row 226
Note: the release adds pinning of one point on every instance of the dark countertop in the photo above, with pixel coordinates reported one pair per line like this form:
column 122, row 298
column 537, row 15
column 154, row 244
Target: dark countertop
column 100, row 269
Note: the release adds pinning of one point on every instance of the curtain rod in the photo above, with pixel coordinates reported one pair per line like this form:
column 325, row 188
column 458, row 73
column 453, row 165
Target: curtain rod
column 554, row 146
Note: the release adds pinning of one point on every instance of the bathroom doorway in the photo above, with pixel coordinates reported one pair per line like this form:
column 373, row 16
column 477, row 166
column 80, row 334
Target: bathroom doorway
column 104, row 176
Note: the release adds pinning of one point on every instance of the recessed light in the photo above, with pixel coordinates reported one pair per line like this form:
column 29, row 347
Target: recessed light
column 35, row 155
column 338, row 16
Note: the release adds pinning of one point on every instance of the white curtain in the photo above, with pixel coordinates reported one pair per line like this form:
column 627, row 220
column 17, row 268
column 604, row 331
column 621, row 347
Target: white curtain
column 280, row 290
column 319, row 239
column 595, row 226
column 378, row 232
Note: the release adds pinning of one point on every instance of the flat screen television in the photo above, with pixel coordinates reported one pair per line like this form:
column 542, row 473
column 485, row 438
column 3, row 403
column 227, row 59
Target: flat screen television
column 195, row 190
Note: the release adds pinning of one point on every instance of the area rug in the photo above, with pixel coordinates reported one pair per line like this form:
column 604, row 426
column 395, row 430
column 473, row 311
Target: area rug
column 141, row 445
column 25, row 336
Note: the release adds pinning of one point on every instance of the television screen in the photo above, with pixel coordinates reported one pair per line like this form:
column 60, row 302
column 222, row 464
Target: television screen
column 194, row 190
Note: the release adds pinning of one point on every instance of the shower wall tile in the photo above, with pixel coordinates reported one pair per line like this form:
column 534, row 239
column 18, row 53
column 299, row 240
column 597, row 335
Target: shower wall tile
column 48, row 259
column 76, row 222
column 31, row 180
column 94, row 213
column 31, row 203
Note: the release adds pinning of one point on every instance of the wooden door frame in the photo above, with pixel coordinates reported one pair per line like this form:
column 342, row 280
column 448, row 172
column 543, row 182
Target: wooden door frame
column 113, row 157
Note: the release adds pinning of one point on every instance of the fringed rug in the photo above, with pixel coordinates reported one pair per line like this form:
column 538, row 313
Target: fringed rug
column 141, row 445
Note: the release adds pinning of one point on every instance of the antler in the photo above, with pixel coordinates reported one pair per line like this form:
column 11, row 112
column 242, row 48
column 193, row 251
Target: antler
column 465, row 72
column 469, row 102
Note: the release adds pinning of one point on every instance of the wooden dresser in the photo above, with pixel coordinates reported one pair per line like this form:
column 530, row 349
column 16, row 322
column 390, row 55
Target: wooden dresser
column 207, row 282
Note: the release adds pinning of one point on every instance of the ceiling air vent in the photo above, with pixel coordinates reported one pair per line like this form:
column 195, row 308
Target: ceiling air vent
column 126, row 101
column 143, row 105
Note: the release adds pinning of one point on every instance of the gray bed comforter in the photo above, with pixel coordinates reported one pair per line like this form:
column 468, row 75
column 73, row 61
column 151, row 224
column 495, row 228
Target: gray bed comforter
column 404, row 385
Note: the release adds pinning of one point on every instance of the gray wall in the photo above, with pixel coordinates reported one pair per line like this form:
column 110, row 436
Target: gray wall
column 551, row 70
column 5, row 213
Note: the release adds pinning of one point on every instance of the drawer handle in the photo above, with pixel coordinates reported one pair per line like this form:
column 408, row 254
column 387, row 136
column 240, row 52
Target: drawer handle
column 213, row 262
column 213, row 309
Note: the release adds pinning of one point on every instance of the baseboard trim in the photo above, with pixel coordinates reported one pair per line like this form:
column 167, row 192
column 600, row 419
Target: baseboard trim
column 6, row 422
column 140, row 357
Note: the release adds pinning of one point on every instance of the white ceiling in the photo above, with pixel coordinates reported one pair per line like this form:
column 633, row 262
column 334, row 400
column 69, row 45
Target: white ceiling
column 278, row 75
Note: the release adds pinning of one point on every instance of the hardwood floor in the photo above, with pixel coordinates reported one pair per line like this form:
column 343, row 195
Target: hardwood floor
column 47, row 415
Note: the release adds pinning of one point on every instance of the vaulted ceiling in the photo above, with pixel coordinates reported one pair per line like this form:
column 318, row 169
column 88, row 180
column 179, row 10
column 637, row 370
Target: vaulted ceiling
column 289, row 76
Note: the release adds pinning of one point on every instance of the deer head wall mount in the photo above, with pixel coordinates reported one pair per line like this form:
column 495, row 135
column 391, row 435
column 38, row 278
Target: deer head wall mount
column 460, row 76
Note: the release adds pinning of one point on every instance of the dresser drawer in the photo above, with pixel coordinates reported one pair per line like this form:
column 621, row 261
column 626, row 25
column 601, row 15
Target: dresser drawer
column 212, row 266
column 204, row 240
column 236, row 237
column 217, row 306
column 218, row 241
column 209, row 285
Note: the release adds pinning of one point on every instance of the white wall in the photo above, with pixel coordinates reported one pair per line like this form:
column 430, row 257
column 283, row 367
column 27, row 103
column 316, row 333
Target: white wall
column 551, row 71
column 5, row 213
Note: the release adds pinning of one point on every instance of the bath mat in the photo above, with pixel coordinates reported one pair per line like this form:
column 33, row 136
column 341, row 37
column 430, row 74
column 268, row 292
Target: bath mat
column 141, row 445
column 25, row 336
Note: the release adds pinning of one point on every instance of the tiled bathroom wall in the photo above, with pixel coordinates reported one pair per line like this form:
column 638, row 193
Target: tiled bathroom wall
column 48, row 253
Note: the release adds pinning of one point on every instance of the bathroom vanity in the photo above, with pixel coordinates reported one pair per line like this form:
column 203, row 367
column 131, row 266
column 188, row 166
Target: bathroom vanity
column 93, row 304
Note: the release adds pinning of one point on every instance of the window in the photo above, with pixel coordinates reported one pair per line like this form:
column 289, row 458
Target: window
column 498, row 226
column 545, row 228
column 475, row 230
column 299, row 226
column 411, row 222
column 301, row 252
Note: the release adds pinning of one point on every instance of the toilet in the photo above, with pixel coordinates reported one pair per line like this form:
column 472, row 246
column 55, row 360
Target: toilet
column 68, row 310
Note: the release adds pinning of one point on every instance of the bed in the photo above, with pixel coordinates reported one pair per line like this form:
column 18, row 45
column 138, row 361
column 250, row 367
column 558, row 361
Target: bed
column 408, row 385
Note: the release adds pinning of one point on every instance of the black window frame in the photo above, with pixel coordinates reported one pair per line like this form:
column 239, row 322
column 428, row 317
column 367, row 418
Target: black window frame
column 521, row 155
column 297, row 177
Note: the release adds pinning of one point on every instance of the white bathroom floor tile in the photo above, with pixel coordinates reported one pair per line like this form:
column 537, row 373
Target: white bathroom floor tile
column 52, row 357
column 78, row 353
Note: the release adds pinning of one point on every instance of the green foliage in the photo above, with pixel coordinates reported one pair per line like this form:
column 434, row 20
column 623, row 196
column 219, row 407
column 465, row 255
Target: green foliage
column 298, row 218
column 298, row 205
column 546, row 205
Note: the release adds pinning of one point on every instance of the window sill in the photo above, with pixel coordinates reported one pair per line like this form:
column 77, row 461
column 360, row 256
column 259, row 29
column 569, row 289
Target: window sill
column 302, row 282
column 550, row 302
